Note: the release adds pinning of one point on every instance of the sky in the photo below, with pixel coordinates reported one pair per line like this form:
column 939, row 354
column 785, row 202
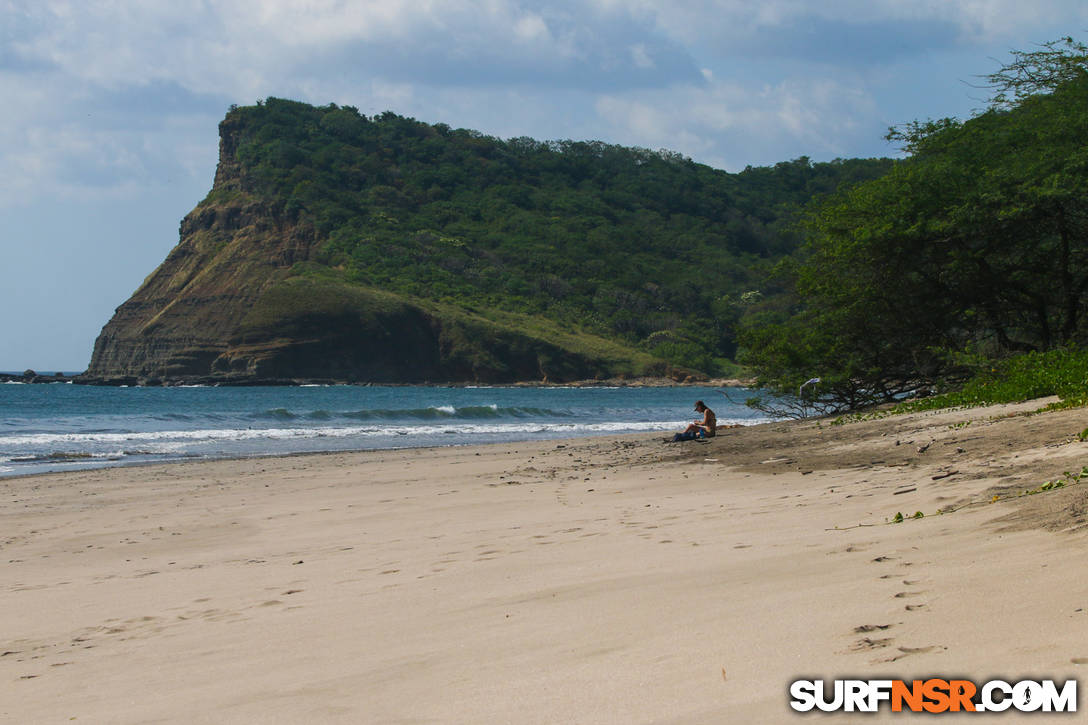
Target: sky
column 109, row 136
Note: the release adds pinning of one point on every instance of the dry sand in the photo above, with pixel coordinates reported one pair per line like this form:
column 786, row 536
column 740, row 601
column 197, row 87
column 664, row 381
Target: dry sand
column 609, row 580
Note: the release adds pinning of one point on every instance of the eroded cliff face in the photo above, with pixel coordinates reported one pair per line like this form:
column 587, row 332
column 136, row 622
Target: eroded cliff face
column 233, row 248
column 181, row 319
column 225, row 307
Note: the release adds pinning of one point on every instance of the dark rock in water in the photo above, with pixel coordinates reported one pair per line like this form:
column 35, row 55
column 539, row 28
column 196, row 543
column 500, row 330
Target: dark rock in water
column 107, row 380
column 29, row 376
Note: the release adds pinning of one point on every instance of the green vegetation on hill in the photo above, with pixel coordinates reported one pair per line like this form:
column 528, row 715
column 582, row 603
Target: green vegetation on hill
column 971, row 251
column 584, row 244
column 320, row 302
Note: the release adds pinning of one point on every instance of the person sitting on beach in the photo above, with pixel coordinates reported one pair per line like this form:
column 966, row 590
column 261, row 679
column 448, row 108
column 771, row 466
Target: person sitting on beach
column 708, row 425
column 705, row 428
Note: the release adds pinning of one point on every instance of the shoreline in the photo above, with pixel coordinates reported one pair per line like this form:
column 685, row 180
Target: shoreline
column 152, row 425
column 612, row 579
column 195, row 459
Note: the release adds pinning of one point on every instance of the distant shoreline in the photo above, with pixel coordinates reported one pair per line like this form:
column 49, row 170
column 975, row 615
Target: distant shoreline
column 32, row 377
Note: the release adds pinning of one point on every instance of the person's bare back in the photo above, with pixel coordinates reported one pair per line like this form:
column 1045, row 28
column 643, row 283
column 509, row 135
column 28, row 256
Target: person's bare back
column 708, row 425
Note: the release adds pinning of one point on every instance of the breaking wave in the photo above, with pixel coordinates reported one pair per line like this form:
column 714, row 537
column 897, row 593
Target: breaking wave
column 437, row 412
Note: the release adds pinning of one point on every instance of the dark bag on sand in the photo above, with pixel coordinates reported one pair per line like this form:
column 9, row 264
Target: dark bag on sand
column 687, row 436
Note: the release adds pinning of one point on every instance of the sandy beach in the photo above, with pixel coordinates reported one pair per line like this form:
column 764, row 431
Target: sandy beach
column 606, row 580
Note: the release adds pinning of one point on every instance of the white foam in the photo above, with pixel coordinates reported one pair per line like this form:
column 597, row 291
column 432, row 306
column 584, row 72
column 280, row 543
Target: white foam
column 76, row 440
column 117, row 446
column 64, row 441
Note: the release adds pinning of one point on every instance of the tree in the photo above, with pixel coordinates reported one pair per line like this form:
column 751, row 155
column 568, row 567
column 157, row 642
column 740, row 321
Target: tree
column 977, row 242
column 1037, row 72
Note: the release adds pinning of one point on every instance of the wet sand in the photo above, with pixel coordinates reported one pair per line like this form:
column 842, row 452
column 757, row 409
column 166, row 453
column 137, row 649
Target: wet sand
column 607, row 580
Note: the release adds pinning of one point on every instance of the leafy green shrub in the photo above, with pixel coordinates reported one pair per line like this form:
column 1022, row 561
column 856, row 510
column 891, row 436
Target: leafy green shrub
column 1062, row 372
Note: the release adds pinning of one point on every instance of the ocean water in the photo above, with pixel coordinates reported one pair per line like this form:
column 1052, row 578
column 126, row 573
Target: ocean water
column 57, row 427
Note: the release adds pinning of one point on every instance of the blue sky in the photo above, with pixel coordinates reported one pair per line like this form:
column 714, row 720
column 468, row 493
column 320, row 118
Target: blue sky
column 109, row 138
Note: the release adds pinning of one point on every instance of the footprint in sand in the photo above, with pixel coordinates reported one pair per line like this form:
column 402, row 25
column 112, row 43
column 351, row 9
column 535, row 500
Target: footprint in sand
column 914, row 607
column 865, row 644
column 864, row 628
column 908, row 651
column 904, row 595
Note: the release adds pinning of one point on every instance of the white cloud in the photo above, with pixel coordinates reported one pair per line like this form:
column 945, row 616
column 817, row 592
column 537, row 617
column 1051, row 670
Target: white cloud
column 249, row 47
column 640, row 57
column 731, row 126
column 531, row 28
column 719, row 25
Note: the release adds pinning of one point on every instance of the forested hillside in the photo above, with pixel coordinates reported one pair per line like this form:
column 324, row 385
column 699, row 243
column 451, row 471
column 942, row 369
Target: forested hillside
column 646, row 247
column 340, row 247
